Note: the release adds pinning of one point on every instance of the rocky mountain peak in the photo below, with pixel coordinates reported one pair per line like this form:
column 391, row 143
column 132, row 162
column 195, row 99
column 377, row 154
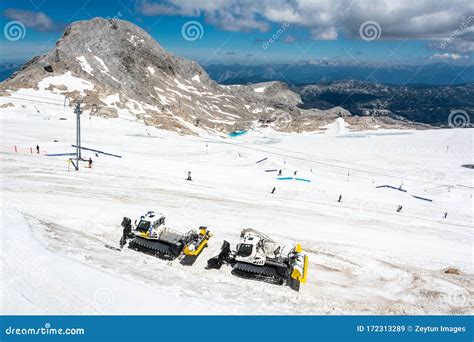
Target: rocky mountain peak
column 119, row 69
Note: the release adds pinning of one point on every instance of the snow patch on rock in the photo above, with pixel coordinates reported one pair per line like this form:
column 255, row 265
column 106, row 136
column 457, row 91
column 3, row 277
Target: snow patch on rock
column 338, row 127
column 85, row 65
column 102, row 64
column 112, row 100
column 71, row 83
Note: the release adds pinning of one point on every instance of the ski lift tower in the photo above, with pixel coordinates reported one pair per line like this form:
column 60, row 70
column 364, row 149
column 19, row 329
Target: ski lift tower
column 78, row 112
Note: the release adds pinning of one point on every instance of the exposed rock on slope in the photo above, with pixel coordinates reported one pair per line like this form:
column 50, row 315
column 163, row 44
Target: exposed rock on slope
column 119, row 68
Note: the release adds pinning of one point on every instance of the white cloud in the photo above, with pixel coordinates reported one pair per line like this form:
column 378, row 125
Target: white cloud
column 331, row 19
column 326, row 34
column 445, row 56
column 37, row 20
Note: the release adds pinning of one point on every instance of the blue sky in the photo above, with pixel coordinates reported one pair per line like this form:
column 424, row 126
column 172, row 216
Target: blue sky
column 241, row 31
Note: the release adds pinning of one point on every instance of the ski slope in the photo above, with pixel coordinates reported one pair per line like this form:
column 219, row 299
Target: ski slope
column 365, row 257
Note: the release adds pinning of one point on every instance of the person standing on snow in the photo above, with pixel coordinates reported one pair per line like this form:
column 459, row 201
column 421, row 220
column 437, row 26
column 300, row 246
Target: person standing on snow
column 90, row 163
column 37, row 149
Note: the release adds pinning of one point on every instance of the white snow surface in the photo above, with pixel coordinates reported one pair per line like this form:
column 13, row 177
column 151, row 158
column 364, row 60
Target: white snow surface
column 151, row 70
column 72, row 83
column 102, row 64
column 85, row 65
column 365, row 258
column 112, row 100
column 338, row 127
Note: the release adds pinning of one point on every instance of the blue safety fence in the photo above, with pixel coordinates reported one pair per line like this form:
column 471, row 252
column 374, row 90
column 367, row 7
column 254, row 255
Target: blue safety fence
column 97, row 151
column 61, row 154
column 294, row 178
column 423, row 198
column 391, row 187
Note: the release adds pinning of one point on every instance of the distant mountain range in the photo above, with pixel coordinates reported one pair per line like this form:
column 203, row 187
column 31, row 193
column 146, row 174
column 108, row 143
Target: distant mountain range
column 426, row 94
column 420, row 103
column 309, row 73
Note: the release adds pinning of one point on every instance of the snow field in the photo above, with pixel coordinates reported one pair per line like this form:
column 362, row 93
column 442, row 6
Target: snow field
column 365, row 258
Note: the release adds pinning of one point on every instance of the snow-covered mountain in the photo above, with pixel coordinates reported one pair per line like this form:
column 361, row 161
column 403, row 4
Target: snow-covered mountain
column 119, row 70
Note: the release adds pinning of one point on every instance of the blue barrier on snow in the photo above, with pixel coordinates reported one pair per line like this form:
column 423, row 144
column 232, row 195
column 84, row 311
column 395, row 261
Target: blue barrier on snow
column 261, row 160
column 423, row 198
column 102, row 152
column 294, row 178
column 61, row 154
column 391, row 187
column 237, row 133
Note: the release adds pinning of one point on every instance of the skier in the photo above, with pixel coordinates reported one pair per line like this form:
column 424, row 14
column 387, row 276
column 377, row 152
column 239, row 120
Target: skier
column 279, row 172
column 340, row 198
column 294, row 173
column 445, row 214
column 399, row 208
column 90, row 163
column 37, row 149
column 273, row 191
column 189, row 176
